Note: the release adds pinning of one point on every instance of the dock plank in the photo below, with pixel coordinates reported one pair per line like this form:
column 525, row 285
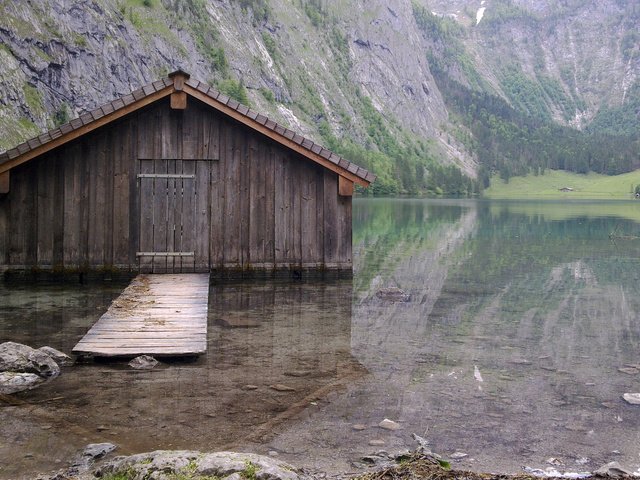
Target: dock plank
column 157, row 314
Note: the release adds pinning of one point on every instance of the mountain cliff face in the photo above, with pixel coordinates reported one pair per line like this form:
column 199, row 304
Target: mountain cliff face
column 356, row 75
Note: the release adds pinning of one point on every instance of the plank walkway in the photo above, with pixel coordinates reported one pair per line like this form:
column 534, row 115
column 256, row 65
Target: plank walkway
column 159, row 315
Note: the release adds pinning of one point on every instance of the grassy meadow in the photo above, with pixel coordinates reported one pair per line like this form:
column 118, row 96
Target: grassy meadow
column 592, row 186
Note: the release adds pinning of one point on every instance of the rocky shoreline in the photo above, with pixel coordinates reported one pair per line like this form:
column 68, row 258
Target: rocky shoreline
column 94, row 463
column 25, row 368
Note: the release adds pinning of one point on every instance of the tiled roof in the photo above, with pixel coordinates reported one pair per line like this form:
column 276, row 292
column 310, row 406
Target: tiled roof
column 251, row 117
column 85, row 119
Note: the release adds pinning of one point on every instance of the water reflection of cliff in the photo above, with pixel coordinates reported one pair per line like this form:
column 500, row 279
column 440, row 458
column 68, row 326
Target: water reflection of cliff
column 410, row 245
column 509, row 346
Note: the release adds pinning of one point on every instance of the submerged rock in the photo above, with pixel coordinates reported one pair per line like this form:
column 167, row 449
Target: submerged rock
column 632, row 398
column 88, row 457
column 279, row 387
column 143, row 362
column 165, row 465
column 614, row 470
column 393, row 294
column 59, row 357
column 23, row 368
column 98, row 450
column 14, row 382
column 458, row 455
column 230, row 322
column 389, row 424
column 15, row 357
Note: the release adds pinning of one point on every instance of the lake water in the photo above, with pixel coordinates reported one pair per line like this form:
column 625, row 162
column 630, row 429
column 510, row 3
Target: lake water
column 506, row 344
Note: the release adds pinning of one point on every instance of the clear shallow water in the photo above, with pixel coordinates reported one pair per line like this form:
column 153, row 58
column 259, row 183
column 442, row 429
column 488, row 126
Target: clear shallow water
column 519, row 317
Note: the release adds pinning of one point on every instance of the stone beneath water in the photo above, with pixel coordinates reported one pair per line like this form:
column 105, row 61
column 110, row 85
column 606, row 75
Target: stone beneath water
column 458, row 455
column 87, row 458
column 98, row 450
column 393, row 294
column 629, row 370
column 389, row 424
column 59, row 357
column 15, row 357
column 614, row 470
column 237, row 322
column 23, row 368
column 278, row 387
column 632, row 398
column 143, row 362
column 14, row 382
column 164, row 465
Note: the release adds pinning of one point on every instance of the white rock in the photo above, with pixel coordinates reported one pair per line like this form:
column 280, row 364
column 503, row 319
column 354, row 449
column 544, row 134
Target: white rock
column 14, row 382
column 389, row 424
column 476, row 374
column 143, row 362
column 632, row 398
column 458, row 455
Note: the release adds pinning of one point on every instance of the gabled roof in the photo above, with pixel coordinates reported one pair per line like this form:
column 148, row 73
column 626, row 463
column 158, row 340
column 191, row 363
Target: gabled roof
column 178, row 82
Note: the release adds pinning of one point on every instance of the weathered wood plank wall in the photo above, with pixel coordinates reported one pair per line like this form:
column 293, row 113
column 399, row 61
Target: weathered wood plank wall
column 253, row 204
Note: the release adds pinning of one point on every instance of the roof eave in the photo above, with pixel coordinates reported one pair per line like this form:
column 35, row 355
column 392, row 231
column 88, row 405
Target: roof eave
column 73, row 133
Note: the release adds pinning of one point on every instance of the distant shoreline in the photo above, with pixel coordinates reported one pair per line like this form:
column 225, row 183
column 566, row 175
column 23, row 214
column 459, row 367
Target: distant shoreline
column 561, row 185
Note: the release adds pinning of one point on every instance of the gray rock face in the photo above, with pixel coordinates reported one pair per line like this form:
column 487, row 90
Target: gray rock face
column 161, row 465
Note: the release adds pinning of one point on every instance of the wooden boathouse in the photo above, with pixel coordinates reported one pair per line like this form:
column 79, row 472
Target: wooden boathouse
column 175, row 177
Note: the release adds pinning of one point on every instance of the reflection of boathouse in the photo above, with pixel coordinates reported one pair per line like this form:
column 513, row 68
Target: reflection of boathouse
column 175, row 177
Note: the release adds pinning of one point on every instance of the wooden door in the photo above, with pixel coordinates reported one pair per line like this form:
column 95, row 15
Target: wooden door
column 172, row 194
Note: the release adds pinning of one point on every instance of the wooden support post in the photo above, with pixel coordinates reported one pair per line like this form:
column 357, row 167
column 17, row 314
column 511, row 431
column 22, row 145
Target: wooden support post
column 345, row 187
column 4, row 182
column 179, row 100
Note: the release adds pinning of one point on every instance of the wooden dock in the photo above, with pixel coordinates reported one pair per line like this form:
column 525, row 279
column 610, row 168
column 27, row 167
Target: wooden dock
column 159, row 315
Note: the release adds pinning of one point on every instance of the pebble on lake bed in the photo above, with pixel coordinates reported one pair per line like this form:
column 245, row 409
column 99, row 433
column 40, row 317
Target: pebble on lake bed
column 389, row 424
column 458, row 455
column 278, row 387
column 629, row 370
column 143, row 362
column 632, row 398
